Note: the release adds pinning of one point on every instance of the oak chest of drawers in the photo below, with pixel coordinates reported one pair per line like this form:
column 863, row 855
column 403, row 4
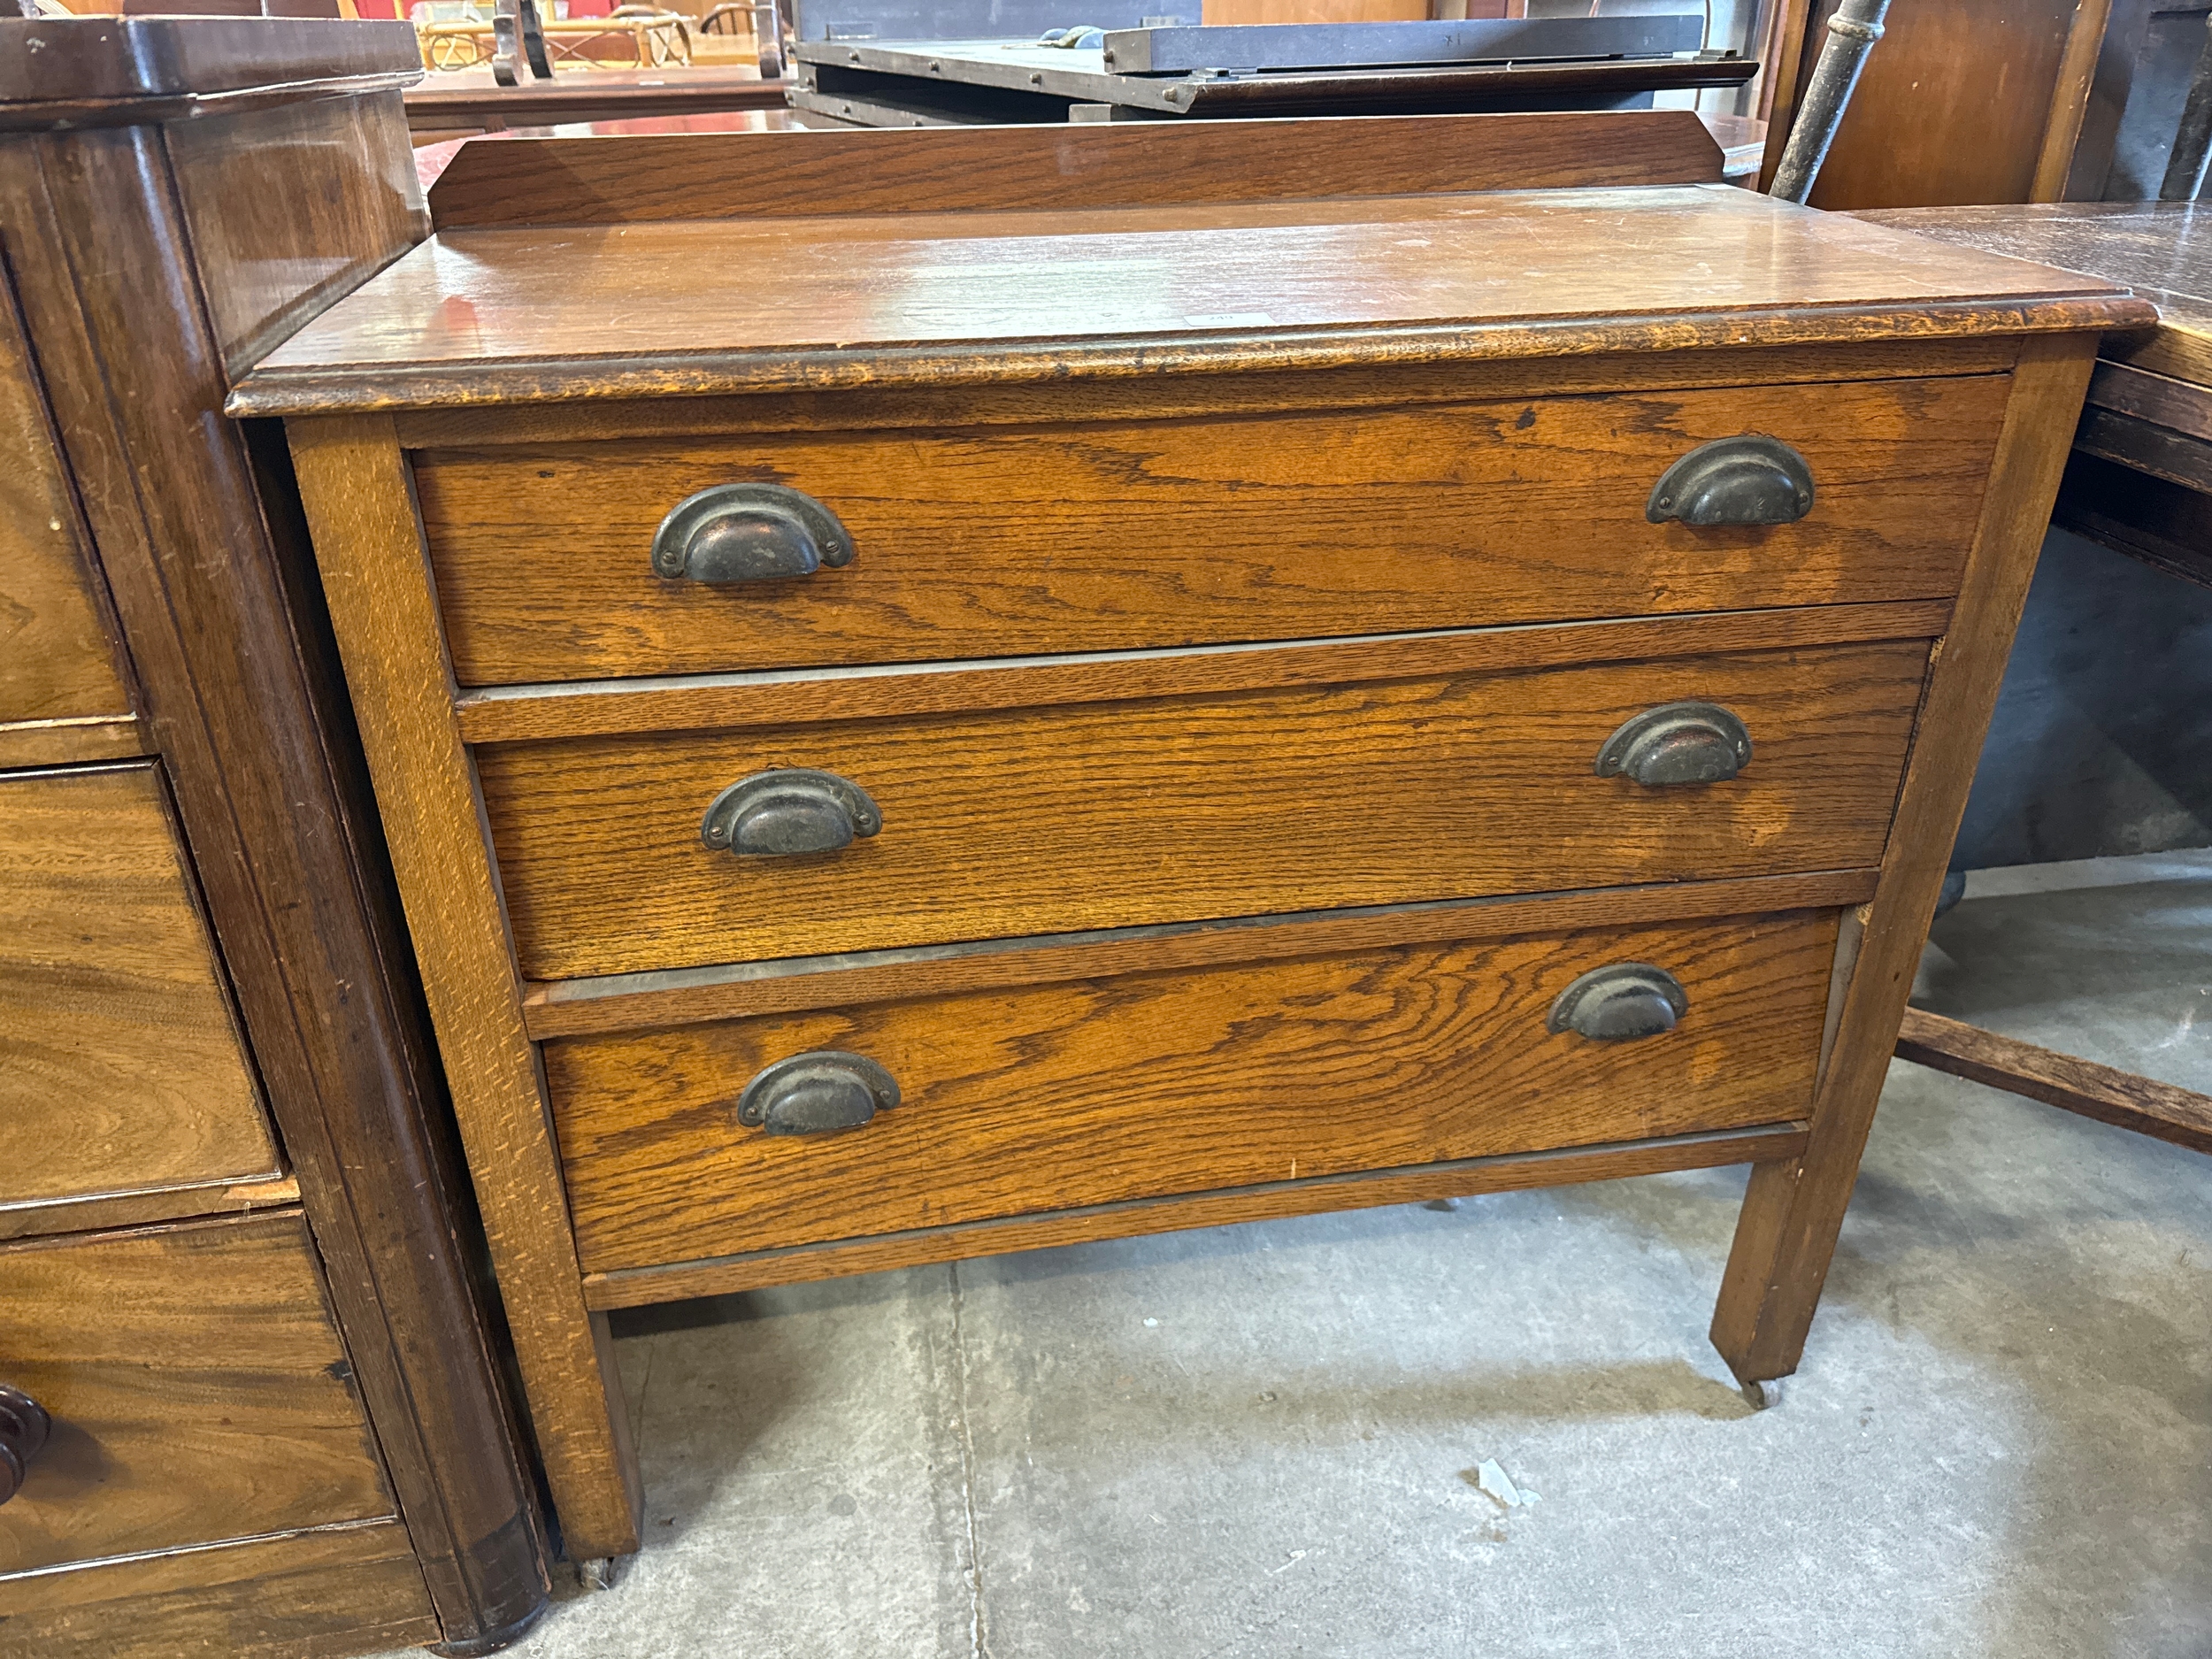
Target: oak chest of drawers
column 907, row 734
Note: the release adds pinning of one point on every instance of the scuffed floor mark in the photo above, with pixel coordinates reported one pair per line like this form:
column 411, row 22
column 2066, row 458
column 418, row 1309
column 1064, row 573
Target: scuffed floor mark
column 977, row 1647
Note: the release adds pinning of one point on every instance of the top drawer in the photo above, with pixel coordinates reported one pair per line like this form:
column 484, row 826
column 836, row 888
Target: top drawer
column 1012, row 541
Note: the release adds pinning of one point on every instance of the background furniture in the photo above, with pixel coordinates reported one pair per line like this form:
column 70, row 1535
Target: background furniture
column 2139, row 481
column 1164, row 73
column 241, row 1270
column 467, row 101
column 1963, row 101
column 1042, row 710
column 650, row 39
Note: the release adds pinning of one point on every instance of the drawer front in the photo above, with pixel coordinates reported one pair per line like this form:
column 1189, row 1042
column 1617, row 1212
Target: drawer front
column 1051, row 1097
column 1016, row 542
column 1116, row 815
column 122, row 1067
column 197, row 1389
column 56, row 661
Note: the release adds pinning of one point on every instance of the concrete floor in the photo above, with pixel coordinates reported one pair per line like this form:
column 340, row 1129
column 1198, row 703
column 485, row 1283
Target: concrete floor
column 1267, row 1440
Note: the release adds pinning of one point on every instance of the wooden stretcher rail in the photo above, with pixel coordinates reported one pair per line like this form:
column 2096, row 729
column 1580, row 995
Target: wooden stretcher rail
column 2110, row 1095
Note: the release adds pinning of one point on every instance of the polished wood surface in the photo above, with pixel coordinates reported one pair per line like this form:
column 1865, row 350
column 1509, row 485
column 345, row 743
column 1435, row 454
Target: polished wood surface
column 355, row 489
column 652, row 1001
column 1281, row 526
column 2142, row 459
column 809, row 175
column 198, row 1388
column 1018, row 1101
column 172, row 62
column 530, row 315
column 1117, row 814
column 2159, row 249
column 279, row 1598
column 2124, row 1099
column 961, row 407
column 61, row 683
column 135, row 276
column 730, row 702
column 1794, row 1208
column 1507, row 1172
column 120, row 1060
column 296, row 204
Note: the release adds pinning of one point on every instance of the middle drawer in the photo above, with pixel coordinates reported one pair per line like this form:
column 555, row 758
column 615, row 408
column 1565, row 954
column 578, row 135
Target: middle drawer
column 1002, row 822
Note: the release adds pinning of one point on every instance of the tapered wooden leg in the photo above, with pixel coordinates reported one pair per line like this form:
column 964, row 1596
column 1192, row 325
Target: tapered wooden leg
column 1793, row 1211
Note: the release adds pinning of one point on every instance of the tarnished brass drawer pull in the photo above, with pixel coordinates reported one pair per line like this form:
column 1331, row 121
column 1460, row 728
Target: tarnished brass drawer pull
column 817, row 1093
column 748, row 533
column 1677, row 743
column 777, row 814
column 1621, row 1002
column 1751, row 480
column 24, row 1426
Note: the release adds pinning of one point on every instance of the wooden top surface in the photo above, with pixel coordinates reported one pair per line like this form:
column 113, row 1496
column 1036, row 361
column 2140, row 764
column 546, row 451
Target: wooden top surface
column 45, row 61
column 2161, row 251
column 551, row 313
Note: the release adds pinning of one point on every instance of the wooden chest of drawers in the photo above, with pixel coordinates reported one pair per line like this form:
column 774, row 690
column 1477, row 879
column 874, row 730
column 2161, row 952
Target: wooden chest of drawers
column 249, row 1401
column 910, row 735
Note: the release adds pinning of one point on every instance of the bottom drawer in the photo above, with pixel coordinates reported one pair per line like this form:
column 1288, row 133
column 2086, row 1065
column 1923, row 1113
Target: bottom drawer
column 197, row 1390
column 1050, row 1096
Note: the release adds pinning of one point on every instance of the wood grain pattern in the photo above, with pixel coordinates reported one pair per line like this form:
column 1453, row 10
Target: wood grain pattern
column 27, row 743
column 354, row 487
column 2075, row 79
column 1095, row 537
column 122, row 1066
column 528, row 316
column 650, row 1002
column 56, row 662
column 1121, row 814
column 2160, row 398
column 109, row 1210
column 2123, row 1099
column 2155, row 248
column 294, row 204
column 814, row 174
column 1918, row 134
column 1096, row 1092
column 155, row 60
column 1794, row 1209
column 325, row 1593
column 1393, row 386
column 1506, row 1172
column 200, row 540
column 172, row 1425
column 724, row 703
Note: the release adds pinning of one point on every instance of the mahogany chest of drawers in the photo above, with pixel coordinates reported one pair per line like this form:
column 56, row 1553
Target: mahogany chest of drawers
column 250, row 1398
column 933, row 714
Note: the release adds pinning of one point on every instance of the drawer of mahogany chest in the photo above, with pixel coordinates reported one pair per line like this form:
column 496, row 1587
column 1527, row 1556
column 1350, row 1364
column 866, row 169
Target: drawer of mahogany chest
column 1052, row 1096
column 1082, row 816
column 122, row 1066
column 1011, row 541
column 195, row 1389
